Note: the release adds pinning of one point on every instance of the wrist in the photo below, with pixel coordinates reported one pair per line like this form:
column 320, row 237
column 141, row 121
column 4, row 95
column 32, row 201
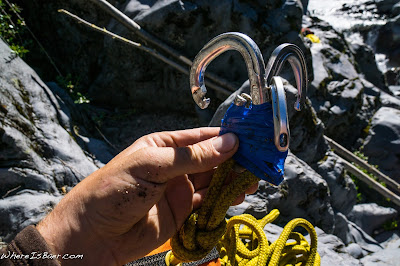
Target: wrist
column 69, row 235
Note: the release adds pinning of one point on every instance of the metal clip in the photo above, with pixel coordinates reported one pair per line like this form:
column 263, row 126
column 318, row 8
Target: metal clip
column 259, row 77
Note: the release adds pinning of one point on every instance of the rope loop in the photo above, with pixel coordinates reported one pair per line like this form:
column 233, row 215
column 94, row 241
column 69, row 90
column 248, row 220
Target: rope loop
column 205, row 227
column 241, row 240
column 245, row 243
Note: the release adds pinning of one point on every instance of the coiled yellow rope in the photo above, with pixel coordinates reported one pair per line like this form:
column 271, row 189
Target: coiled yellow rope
column 249, row 245
column 207, row 228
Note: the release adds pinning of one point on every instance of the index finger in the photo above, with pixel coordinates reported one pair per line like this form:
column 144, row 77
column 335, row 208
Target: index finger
column 179, row 138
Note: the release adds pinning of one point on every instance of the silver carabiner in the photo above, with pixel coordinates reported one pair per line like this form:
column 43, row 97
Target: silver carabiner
column 259, row 77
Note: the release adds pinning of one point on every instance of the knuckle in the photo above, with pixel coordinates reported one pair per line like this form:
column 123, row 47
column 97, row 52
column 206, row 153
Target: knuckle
column 189, row 154
column 195, row 154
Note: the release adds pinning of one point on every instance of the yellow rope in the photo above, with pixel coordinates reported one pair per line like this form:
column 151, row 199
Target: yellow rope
column 207, row 228
column 245, row 243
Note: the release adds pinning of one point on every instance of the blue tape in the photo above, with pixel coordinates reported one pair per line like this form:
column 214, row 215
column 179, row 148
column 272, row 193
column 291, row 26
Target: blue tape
column 254, row 127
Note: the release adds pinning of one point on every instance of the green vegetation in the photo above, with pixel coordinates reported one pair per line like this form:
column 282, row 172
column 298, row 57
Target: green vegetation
column 356, row 183
column 390, row 225
column 12, row 27
column 71, row 85
column 362, row 156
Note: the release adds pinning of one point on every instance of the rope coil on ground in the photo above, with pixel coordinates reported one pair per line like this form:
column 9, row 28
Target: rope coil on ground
column 249, row 245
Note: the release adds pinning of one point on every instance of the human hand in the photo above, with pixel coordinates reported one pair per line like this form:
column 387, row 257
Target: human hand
column 139, row 199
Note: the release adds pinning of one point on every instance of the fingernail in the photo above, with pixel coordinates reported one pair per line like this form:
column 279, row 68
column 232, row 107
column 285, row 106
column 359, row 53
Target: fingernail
column 225, row 142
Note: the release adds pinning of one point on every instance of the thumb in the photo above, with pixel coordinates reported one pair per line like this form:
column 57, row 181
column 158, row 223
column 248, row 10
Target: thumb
column 160, row 164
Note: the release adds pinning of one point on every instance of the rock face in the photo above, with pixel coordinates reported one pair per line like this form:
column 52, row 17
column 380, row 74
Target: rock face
column 185, row 25
column 388, row 256
column 341, row 187
column 338, row 92
column 371, row 216
column 388, row 40
column 38, row 155
column 382, row 145
column 365, row 58
column 349, row 233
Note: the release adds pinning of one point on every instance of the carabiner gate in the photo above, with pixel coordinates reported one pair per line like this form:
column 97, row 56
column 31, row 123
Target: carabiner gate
column 265, row 86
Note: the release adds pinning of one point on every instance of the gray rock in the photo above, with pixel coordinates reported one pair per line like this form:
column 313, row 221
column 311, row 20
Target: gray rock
column 388, row 237
column 120, row 76
column 396, row 10
column 311, row 202
column 355, row 250
column 388, row 41
column 344, row 109
column 388, row 100
column 338, row 93
column 382, row 145
column 349, row 233
column 370, row 216
column 395, row 89
column 365, row 58
column 330, row 248
column 99, row 149
column 25, row 208
column 387, row 256
column 385, row 6
column 392, row 76
column 36, row 151
column 342, row 189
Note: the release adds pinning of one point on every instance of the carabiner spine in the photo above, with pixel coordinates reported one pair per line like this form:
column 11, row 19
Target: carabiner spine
column 279, row 109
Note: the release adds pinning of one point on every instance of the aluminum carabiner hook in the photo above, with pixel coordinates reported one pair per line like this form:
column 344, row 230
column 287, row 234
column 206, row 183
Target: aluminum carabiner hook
column 220, row 44
column 281, row 54
column 293, row 54
column 264, row 86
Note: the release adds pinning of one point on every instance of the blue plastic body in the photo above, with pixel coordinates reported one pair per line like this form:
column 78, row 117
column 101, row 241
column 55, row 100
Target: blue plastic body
column 254, row 127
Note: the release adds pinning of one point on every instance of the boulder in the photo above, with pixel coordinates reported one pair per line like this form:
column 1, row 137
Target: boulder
column 365, row 58
column 382, row 145
column 385, row 6
column 388, row 256
column 345, row 110
column 338, row 91
column 395, row 10
column 22, row 209
column 37, row 150
column 371, row 216
column 349, row 233
column 388, row 40
column 333, row 251
column 388, row 100
column 303, row 193
column 341, row 187
column 355, row 250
